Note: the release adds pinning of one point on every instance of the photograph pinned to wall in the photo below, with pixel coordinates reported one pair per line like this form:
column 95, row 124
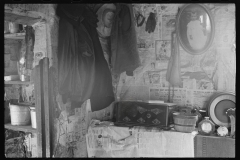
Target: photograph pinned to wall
column 195, row 28
column 162, row 50
column 168, row 26
column 154, row 77
column 147, row 27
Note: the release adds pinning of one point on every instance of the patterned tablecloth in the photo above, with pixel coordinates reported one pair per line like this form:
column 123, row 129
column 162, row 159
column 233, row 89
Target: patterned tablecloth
column 106, row 140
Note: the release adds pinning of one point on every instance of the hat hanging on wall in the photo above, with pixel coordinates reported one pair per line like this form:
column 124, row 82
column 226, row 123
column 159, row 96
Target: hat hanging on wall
column 105, row 15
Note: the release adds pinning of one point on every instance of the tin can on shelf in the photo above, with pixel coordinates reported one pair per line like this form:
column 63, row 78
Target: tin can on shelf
column 13, row 27
column 6, row 27
column 24, row 78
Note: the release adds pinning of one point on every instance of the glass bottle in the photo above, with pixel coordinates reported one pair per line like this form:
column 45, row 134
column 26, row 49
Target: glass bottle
column 206, row 126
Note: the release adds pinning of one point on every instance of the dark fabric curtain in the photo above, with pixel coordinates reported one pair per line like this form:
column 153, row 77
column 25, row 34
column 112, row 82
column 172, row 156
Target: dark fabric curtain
column 82, row 70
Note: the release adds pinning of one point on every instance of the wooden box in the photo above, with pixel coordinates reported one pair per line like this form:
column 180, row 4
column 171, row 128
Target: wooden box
column 130, row 113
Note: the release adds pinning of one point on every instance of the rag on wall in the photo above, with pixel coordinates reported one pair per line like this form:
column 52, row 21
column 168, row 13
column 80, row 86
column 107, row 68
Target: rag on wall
column 151, row 23
column 82, row 69
column 173, row 75
column 29, row 39
column 124, row 50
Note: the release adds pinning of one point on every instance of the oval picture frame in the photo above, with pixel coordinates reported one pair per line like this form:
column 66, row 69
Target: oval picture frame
column 195, row 28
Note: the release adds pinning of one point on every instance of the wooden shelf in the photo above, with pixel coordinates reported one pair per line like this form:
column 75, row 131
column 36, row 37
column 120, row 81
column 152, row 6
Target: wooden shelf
column 18, row 82
column 26, row 18
column 15, row 36
column 21, row 128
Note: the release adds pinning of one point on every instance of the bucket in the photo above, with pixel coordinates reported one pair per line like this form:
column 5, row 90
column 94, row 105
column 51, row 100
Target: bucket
column 20, row 114
column 33, row 117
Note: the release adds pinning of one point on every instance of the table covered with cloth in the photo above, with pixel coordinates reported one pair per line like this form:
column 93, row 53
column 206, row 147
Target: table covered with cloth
column 106, row 140
column 214, row 146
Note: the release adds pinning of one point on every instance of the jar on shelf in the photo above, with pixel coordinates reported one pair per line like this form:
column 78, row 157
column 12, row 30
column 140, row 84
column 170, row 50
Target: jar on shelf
column 13, row 27
column 206, row 126
column 6, row 27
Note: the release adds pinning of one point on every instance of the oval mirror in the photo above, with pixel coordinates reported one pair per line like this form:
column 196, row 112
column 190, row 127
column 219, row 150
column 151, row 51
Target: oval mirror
column 195, row 28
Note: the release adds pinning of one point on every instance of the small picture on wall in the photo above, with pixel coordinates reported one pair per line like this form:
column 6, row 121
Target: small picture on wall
column 154, row 77
column 162, row 50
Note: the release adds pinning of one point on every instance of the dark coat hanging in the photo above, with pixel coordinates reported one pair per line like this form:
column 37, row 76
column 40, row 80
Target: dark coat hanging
column 82, row 69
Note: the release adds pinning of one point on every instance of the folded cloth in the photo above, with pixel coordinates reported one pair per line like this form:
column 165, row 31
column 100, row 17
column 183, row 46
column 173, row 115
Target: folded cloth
column 173, row 75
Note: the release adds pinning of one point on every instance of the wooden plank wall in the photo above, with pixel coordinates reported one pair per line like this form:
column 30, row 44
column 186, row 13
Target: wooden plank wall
column 46, row 105
column 38, row 105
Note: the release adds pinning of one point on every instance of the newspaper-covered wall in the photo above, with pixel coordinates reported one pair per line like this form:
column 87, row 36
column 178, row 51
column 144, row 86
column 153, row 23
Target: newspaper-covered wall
column 106, row 140
column 202, row 75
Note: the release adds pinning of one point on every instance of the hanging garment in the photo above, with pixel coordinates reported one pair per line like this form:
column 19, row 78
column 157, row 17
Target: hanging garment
column 123, row 41
column 105, row 17
column 29, row 40
column 173, row 75
column 82, row 70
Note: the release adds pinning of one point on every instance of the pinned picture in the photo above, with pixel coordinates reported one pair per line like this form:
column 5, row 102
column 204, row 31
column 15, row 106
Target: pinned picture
column 162, row 50
column 154, row 77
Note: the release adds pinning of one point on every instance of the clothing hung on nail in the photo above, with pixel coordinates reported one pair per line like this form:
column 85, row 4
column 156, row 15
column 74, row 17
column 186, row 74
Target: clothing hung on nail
column 83, row 72
column 124, row 52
